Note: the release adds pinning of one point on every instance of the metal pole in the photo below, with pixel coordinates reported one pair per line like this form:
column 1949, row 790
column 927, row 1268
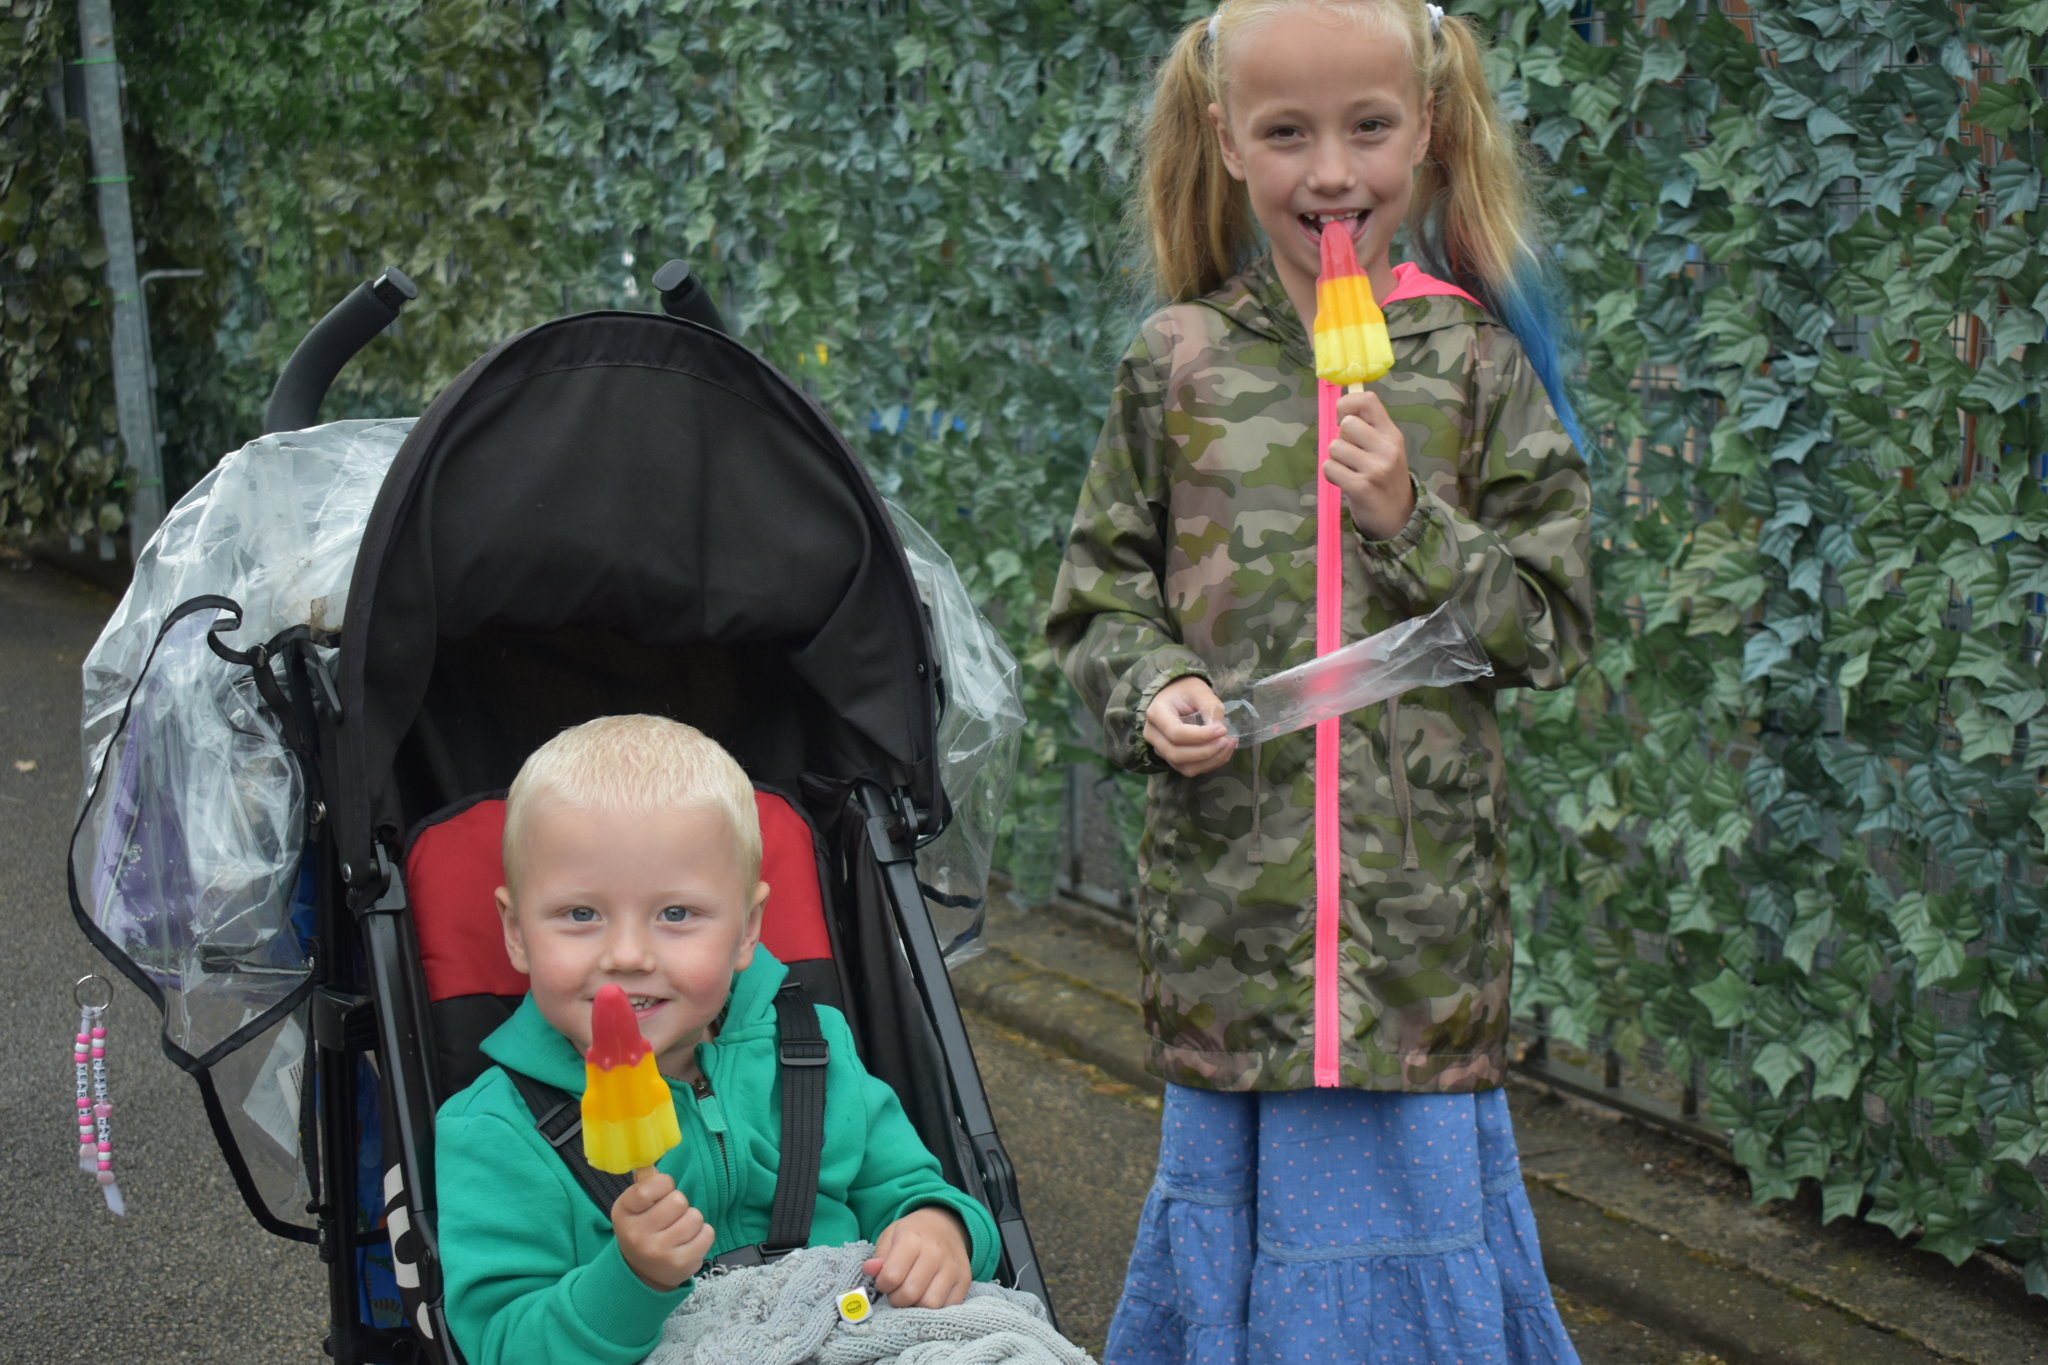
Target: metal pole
column 132, row 396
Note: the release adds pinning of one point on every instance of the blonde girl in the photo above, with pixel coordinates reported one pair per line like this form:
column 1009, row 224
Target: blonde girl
column 1324, row 930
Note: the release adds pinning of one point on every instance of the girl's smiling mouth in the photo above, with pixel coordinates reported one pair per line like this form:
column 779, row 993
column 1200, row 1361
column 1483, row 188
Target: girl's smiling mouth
column 1312, row 223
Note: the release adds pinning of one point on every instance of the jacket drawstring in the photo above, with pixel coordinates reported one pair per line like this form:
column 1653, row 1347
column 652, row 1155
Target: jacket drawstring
column 1403, row 804
column 1257, row 852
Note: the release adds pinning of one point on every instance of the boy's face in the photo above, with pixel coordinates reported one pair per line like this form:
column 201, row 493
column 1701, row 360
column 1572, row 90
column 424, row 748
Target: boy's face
column 650, row 900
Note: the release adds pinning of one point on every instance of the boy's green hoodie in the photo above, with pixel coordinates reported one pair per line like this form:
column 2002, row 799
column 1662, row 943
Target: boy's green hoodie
column 529, row 1264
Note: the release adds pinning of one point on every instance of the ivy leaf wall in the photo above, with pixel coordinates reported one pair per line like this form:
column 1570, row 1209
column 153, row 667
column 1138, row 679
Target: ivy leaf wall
column 1786, row 833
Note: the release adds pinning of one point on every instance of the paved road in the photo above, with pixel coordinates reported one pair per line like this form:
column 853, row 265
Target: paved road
column 187, row 1275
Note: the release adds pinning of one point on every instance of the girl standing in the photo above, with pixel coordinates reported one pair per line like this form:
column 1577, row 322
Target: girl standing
column 1337, row 1175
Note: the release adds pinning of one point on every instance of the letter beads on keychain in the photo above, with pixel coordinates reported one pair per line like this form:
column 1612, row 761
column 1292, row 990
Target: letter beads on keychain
column 95, row 1110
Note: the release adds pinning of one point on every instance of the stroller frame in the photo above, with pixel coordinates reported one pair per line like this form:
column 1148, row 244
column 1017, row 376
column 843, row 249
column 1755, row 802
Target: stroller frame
column 367, row 995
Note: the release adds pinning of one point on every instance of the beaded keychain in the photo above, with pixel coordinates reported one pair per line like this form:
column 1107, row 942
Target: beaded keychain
column 95, row 1110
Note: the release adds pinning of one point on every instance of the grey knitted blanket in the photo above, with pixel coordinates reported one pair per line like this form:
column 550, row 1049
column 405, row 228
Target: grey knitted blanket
column 788, row 1314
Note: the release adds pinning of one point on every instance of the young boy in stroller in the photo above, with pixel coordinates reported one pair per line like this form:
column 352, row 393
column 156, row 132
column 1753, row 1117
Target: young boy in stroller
column 632, row 854
column 341, row 648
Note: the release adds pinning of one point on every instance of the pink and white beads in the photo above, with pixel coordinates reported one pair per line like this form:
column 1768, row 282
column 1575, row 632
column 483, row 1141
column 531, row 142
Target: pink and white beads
column 95, row 1110
column 80, row 1052
column 102, row 1109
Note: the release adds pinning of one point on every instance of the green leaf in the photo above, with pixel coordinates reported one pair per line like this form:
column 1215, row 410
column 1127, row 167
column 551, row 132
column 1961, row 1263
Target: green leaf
column 1615, row 309
column 1662, row 61
column 2031, row 17
column 1776, row 1064
column 1840, row 1196
column 1806, row 936
column 2000, row 384
column 1985, row 734
column 2004, row 108
column 1987, row 508
column 1978, row 657
column 1726, row 998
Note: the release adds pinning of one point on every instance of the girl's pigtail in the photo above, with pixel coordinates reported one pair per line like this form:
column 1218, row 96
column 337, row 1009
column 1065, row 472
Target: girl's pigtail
column 1475, row 220
column 1195, row 215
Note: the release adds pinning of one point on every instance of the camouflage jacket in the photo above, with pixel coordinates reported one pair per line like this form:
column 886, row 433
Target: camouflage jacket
column 1193, row 552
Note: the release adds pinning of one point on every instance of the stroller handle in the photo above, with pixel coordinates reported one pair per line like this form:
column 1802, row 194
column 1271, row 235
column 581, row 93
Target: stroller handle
column 683, row 295
column 369, row 308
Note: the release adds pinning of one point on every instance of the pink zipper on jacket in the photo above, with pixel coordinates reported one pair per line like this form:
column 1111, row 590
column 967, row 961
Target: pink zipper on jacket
column 1329, row 635
column 1409, row 283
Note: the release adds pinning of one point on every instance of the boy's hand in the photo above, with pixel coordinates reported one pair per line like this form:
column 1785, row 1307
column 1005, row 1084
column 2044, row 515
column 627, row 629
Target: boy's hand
column 1369, row 463
column 661, row 1236
column 1184, row 726
column 920, row 1260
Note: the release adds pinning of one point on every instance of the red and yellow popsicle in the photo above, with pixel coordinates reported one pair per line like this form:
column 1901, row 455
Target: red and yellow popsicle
column 628, row 1118
column 1351, row 332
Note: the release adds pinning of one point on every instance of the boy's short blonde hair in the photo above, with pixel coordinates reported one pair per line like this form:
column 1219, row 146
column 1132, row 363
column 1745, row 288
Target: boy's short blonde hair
column 636, row 763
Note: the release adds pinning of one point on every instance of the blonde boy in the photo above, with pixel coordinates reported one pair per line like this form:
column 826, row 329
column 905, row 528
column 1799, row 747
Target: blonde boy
column 632, row 857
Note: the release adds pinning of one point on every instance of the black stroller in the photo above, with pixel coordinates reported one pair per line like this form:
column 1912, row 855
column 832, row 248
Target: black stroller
column 611, row 512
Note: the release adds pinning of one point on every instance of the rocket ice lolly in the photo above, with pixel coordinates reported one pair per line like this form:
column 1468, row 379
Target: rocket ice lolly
column 1351, row 332
column 628, row 1118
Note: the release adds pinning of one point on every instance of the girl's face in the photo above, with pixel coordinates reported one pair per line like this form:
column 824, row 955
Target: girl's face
column 1325, row 120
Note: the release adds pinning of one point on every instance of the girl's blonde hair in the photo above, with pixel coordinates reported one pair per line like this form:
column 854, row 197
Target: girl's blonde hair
column 1473, row 217
column 637, row 763
column 1474, row 220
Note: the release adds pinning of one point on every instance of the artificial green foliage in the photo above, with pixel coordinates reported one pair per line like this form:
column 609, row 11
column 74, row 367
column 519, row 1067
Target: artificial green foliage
column 337, row 137
column 60, row 449
column 911, row 208
column 1789, row 827
column 1786, row 833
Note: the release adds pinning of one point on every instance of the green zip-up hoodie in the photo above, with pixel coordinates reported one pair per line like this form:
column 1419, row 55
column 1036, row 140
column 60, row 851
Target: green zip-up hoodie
column 529, row 1264
column 1193, row 551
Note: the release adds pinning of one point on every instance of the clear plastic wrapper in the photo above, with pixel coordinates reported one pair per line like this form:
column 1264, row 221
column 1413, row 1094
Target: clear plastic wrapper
column 1436, row 650
column 979, row 726
column 188, row 848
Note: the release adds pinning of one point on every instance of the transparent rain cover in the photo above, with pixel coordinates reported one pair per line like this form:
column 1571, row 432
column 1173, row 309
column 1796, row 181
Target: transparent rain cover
column 979, row 724
column 186, row 855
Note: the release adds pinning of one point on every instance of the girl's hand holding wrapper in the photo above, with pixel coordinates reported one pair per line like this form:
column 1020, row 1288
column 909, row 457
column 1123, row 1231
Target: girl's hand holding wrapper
column 629, row 1120
column 1184, row 726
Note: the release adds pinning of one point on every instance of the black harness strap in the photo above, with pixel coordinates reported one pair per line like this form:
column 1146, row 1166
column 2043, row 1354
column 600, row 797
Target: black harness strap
column 558, row 1115
column 802, row 1052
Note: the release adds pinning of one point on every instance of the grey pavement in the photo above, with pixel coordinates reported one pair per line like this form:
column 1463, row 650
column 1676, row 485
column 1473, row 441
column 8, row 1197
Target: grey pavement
column 186, row 1275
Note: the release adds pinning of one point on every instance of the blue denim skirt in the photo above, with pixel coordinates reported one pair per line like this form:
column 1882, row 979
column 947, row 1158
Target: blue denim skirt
column 1336, row 1225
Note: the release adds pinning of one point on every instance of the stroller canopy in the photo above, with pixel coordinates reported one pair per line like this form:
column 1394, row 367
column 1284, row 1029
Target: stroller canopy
column 618, row 512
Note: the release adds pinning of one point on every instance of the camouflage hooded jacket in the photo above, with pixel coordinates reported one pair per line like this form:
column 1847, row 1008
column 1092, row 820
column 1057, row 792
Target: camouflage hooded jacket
column 1193, row 552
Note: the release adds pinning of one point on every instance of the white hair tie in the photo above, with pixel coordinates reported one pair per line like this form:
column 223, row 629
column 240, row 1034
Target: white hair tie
column 1212, row 25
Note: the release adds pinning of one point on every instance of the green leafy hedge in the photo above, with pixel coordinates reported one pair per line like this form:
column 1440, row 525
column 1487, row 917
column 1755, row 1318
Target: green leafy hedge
column 1786, row 830
column 60, row 451
column 1805, row 820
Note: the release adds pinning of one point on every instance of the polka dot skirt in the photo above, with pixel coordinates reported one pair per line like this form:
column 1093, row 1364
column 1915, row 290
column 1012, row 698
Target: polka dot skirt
column 1337, row 1225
